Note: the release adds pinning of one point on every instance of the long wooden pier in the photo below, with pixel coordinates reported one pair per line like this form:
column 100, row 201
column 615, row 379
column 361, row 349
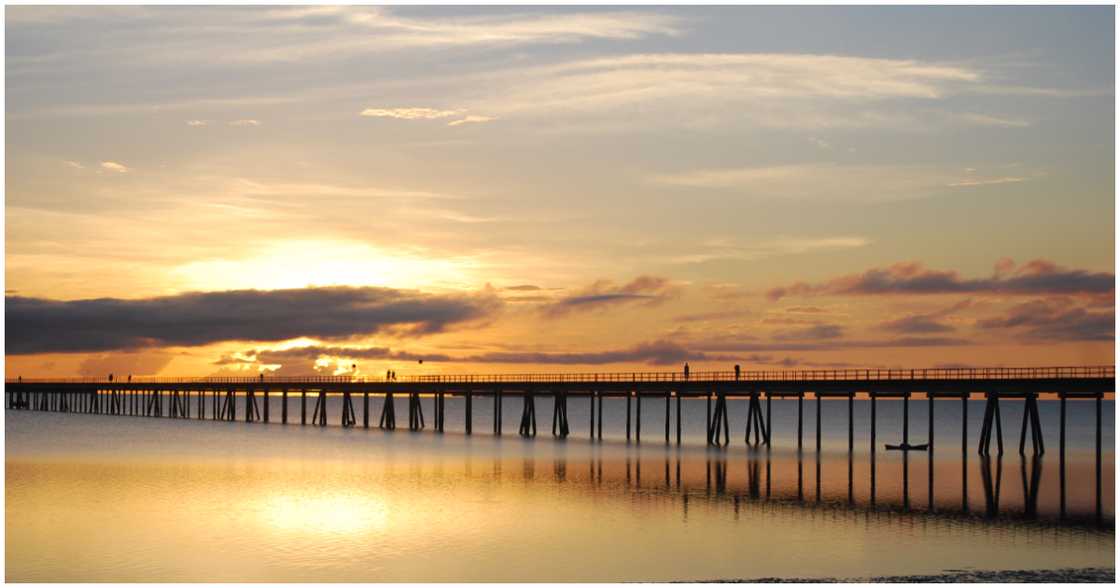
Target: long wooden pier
column 218, row 398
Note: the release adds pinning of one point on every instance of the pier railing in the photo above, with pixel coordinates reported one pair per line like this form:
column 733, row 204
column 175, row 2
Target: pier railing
column 963, row 373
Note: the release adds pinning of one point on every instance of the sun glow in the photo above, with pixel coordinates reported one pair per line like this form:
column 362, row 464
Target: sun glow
column 306, row 263
column 334, row 513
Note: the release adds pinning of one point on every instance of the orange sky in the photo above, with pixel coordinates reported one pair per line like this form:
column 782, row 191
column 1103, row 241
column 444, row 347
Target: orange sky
column 201, row 191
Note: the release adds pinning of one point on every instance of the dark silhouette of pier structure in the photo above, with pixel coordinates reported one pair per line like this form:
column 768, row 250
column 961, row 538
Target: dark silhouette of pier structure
column 218, row 398
column 252, row 398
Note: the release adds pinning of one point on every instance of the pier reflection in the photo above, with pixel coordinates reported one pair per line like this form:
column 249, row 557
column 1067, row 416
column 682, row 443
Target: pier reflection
column 882, row 482
column 319, row 504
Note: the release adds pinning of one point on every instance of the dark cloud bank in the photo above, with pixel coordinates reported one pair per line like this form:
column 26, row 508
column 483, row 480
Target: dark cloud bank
column 1032, row 278
column 37, row 325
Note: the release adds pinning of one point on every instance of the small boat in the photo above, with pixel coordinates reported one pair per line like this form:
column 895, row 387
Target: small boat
column 908, row 447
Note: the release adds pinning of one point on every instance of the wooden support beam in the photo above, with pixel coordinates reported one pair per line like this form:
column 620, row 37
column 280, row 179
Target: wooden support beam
column 638, row 416
column 1100, row 510
column 528, row 426
column 348, row 417
column 851, row 431
column 667, row 421
column 600, row 422
column 818, row 423
column 800, row 417
column 678, row 419
column 470, row 413
column 591, row 423
column 1062, row 456
column 629, row 393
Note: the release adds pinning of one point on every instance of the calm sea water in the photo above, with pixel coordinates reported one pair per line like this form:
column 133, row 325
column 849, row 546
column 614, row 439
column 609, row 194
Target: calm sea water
column 101, row 498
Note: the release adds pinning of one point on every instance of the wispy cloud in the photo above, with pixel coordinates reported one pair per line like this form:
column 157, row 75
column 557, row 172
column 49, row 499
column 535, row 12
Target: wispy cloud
column 774, row 90
column 115, row 167
column 646, row 290
column 410, row 113
column 813, row 333
column 1035, row 277
column 470, row 118
column 926, row 323
column 834, row 182
column 730, row 249
column 1056, row 319
column 197, row 123
column 244, row 122
column 659, row 352
column 297, row 34
column 987, row 120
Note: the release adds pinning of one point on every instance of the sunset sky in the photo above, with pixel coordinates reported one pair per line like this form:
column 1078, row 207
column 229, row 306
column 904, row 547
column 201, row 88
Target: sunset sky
column 223, row 190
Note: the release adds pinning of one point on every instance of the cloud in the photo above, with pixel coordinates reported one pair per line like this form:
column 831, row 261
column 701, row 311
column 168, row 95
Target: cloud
column 423, row 113
column 113, row 166
column 926, row 323
column 523, row 288
column 123, row 364
column 33, row 325
column 411, row 113
column 917, row 324
column 711, row 316
column 1055, row 319
column 197, row 123
column 824, row 331
column 985, row 120
column 656, row 353
column 801, row 91
column 470, row 118
column 229, row 36
column 832, row 182
column 835, row 344
column 1036, row 277
column 74, row 164
column 649, row 290
column 722, row 249
column 987, row 181
column 807, row 310
column 286, row 357
column 244, row 122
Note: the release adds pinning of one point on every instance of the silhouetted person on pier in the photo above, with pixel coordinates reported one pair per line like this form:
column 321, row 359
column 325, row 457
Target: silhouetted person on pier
column 736, row 372
column 686, row 370
column 129, row 378
column 110, row 377
column 262, row 376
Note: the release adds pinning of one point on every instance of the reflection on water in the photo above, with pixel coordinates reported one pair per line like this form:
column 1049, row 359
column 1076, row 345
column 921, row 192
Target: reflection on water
column 120, row 499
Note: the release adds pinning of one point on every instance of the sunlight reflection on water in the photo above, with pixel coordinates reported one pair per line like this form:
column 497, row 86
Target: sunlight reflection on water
column 120, row 499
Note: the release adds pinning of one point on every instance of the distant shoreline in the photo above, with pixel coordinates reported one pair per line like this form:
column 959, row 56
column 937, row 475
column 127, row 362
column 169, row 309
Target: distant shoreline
column 1060, row 575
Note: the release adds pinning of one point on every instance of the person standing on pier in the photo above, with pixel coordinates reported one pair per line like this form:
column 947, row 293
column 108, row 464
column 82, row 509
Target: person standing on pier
column 686, row 370
column 736, row 372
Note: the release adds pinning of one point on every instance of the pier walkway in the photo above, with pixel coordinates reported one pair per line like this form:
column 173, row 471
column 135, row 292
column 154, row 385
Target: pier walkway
column 218, row 398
